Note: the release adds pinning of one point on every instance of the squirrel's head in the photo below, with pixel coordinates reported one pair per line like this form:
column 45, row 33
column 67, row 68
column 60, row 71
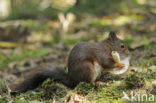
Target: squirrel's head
column 118, row 45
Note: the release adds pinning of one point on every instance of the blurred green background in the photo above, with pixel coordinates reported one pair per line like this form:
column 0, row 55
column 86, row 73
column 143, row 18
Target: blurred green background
column 34, row 32
column 26, row 9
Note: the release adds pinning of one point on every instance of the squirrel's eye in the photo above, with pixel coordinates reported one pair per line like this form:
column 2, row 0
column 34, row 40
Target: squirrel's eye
column 122, row 46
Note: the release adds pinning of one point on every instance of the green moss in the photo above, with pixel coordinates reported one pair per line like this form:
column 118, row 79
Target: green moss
column 110, row 93
column 84, row 88
column 21, row 100
column 4, row 92
column 3, row 100
column 147, row 62
column 100, row 94
column 49, row 90
column 150, row 74
column 153, row 91
column 3, row 88
column 150, row 47
column 135, row 81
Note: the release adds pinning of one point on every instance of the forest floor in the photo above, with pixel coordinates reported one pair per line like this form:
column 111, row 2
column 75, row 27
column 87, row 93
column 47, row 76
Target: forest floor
column 138, row 30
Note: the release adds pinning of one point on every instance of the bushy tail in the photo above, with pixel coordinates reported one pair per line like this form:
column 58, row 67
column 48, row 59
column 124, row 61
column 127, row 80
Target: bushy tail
column 36, row 76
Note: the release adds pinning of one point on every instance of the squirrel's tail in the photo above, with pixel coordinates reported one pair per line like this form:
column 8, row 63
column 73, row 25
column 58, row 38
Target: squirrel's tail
column 38, row 75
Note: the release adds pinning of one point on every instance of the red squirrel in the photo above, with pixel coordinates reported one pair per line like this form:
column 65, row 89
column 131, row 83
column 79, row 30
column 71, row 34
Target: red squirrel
column 85, row 63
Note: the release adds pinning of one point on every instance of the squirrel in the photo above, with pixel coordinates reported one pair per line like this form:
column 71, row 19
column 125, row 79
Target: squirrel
column 85, row 63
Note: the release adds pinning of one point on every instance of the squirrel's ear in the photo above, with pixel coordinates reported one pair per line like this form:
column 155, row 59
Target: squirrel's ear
column 112, row 35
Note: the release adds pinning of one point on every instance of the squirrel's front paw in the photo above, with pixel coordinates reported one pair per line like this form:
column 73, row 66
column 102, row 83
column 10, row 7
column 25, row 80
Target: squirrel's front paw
column 119, row 65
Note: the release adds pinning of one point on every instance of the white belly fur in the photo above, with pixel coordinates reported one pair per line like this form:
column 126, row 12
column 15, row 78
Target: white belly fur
column 97, row 69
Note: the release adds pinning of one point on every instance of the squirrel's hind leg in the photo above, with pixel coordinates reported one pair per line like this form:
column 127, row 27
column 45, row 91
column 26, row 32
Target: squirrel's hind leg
column 83, row 72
